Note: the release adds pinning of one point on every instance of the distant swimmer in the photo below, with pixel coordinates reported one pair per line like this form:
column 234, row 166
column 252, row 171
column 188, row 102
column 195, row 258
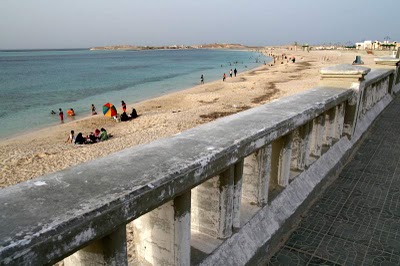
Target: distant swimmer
column 52, row 112
column 202, row 79
column 71, row 112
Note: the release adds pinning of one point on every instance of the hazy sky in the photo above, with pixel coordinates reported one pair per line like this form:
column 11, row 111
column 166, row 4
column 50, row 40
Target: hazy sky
column 87, row 23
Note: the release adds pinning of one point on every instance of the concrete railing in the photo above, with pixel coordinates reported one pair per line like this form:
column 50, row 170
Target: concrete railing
column 211, row 195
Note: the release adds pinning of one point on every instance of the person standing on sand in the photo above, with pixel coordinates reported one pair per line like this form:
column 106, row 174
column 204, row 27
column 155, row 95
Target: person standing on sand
column 230, row 72
column 93, row 110
column 202, row 79
column 61, row 115
column 224, row 77
column 235, row 72
column 123, row 106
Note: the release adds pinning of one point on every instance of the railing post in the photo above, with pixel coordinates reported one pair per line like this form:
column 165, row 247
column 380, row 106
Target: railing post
column 281, row 160
column 257, row 175
column 330, row 119
column 212, row 205
column 318, row 131
column 162, row 236
column 110, row 250
column 339, row 121
column 237, row 193
column 351, row 77
column 303, row 152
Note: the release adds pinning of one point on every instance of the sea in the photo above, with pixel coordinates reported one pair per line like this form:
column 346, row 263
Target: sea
column 35, row 82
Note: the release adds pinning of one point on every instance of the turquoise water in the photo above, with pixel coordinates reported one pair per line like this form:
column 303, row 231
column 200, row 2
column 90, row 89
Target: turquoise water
column 32, row 83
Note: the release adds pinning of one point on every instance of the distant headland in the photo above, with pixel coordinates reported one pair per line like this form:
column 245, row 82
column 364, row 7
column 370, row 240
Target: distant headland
column 171, row 47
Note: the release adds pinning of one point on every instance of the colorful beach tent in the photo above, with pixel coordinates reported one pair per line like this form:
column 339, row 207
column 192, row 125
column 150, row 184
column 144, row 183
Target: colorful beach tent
column 109, row 110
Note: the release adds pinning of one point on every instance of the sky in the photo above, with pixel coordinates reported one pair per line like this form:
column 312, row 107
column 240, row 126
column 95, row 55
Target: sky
column 43, row 24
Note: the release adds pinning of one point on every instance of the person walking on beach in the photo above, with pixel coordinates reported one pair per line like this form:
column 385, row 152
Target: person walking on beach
column 235, row 72
column 230, row 72
column 202, row 79
column 224, row 77
column 123, row 106
column 61, row 115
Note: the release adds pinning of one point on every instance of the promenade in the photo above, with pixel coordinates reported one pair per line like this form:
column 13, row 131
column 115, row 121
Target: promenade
column 356, row 221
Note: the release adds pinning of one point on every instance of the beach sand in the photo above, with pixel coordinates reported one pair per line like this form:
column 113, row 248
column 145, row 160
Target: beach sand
column 46, row 151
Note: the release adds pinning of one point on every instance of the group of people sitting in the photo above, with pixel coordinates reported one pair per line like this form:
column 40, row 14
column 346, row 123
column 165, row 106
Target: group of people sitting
column 96, row 136
column 125, row 117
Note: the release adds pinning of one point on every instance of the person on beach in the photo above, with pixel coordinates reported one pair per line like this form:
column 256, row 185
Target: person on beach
column 80, row 139
column 123, row 106
column 224, row 77
column 61, row 115
column 202, row 79
column 230, row 72
column 71, row 137
column 124, row 117
column 93, row 110
column 71, row 112
column 235, row 72
column 103, row 134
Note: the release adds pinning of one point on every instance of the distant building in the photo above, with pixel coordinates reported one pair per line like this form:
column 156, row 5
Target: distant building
column 377, row 45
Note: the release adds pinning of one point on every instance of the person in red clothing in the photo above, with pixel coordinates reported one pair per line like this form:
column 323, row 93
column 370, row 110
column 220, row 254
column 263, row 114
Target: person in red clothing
column 61, row 115
column 123, row 106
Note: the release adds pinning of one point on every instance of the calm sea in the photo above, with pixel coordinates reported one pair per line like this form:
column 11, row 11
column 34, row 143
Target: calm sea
column 32, row 83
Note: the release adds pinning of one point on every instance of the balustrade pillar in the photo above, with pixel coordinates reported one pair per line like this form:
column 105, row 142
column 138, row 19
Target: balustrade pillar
column 257, row 176
column 212, row 205
column 281, row 160
column 237, row 193
column 330, row 120
column 318, row 132
column 303, row 152
column 109, row 250
column 162, row 236
column 351, row 77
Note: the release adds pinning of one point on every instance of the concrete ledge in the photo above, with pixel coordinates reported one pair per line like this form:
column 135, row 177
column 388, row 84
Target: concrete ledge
column 377, row 74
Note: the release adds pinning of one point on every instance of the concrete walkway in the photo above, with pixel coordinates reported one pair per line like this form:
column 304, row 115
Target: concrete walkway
column 357, row 219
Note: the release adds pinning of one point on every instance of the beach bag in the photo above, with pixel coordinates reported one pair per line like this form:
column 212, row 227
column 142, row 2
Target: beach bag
column 134, row 113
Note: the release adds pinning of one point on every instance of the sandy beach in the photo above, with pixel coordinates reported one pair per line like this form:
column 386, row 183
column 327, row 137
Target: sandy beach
column 46, row 151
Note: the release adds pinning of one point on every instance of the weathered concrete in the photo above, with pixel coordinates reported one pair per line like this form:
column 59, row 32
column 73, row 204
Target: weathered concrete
column 162, row 236
column 90, row 200
column 257, row 176
column 394, row 64
column 212, row 205
column 110, row 250
column 317, row 136
column 355, row 221
column 281, row 158
column 239, row 250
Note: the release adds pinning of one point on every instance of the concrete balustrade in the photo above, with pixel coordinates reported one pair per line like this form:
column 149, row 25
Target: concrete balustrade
column 229, row 185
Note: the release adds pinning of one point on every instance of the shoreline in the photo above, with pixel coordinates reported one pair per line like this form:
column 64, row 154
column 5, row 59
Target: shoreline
column 129, row 105
column 45, row 151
